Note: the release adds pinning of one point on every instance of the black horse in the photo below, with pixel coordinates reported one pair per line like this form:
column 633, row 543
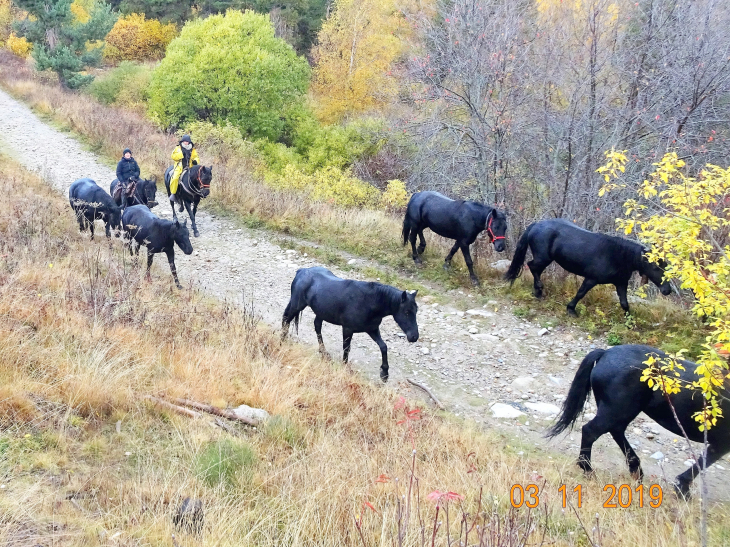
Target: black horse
column 614, row 375
column 193, row 185
column 145, row 192
column 599, row 258
column 159, row 236
column 358, row 306
column 90, row 202
column 459, row 220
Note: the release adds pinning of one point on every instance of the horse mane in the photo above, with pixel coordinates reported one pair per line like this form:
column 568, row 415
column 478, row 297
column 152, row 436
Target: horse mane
column 389, row 293
column 627, row 251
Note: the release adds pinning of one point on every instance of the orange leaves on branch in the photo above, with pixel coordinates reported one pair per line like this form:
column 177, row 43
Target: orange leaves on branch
column 134, row 38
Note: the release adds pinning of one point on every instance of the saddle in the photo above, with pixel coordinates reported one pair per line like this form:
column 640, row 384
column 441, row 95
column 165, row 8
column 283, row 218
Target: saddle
column 130, row 188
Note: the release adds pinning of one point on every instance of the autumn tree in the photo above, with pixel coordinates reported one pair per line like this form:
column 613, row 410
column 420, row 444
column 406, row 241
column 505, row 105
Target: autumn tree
column 135, row 38
column 230, row 68
column 61, row 42
column 355, row 55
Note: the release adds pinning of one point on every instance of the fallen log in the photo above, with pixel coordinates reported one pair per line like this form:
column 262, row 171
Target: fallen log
column 424, row 388
column 210, row 409
column 175, row 408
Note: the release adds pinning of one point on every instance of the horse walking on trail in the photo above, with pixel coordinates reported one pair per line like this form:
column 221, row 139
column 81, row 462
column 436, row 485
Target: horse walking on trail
column 194, row 185
column 357, row 306
column 614, row 375
column 599, row 258
column 460, row 220
column 139, row 192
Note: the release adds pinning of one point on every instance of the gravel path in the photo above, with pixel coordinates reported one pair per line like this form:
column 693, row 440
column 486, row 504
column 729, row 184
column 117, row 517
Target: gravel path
column 472, row 357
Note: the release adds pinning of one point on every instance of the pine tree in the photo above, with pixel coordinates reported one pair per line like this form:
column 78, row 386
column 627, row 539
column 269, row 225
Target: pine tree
column 60, row 42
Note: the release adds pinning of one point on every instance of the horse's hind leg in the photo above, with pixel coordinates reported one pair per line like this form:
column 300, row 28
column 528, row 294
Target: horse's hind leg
column 587, row 285
column 318, row 330
column 632, row 460
column 684, row 480
column 412, row 238
column 591, row 431
column 452, row 252
column 290, row 313
column 623, row 300
column 536, row 269
column 422, row 242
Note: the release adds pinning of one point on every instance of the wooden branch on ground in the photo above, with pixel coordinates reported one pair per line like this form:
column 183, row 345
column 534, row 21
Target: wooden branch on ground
column 227, row 427
column 175, row 408
column 210, row 409
column 424, row 388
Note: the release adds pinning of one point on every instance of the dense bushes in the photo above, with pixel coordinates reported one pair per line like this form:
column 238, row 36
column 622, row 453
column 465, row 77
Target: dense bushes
column 125, row 85
column 134, row 38
column 230, row 68
column 20, row 46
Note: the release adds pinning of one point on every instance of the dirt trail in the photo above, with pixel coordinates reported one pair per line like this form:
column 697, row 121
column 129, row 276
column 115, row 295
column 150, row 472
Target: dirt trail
column 471, row 358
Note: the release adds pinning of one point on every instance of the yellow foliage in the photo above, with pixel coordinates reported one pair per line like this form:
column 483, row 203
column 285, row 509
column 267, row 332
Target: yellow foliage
column 20, row 46
column 6, row 19
column 395, row 195
column 80, row 12
column 134, row 38
column 329, row 184
column 685, row 220
column 358, row 46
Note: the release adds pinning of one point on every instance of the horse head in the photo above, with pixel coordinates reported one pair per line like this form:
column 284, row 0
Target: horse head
column 149, row 191
column 496, row 227
column 181, row 235
column 205, row 176
column 654, row 272
column 406, row 315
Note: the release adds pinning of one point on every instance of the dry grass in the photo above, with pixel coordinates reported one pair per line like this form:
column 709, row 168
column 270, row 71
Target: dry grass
column 83, row 339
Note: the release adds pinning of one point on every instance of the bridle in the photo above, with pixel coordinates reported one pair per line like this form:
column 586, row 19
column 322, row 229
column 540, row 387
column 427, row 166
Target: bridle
column 490, row 232
column 201, row 186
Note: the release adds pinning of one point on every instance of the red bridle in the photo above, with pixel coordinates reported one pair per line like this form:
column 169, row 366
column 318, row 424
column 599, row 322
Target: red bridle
column 200, row 183
column 492, row 237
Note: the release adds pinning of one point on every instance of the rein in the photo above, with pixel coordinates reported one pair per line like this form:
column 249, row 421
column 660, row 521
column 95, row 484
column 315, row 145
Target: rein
column 201, row 186
column 490, row 232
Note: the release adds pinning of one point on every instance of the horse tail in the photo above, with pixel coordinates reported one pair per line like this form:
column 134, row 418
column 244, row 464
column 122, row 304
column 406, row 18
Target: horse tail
column 407, row 226
column 577, row 395
column 515, row 268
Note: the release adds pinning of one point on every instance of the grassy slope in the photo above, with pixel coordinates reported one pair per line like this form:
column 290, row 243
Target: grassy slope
column 85, row 460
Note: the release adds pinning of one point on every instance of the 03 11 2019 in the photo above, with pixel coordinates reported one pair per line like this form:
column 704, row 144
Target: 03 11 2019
column 621, row 496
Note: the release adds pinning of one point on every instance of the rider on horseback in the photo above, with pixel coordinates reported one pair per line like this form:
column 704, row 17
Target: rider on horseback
column 185, row 156
column 127, row 169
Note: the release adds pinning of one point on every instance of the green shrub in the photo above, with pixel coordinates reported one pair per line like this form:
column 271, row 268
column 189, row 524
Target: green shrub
column 226, row 462
column 127, row 85
column 285, row 431
column 230, row 68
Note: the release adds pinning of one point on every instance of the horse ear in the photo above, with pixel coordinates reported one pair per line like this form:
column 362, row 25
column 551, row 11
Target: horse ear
column 177, row 223
column 404, row 297
column 413, row 294
column 494, row 212
column 210, row 169
column 185, row 223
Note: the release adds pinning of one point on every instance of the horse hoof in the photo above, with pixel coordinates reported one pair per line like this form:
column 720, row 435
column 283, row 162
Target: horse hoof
column 682, row 491
column 196, row 233
column 417, row 260
column 384, row 377
column 572, row 312
column 179, row 286
column 475, row 281
column 447, row 266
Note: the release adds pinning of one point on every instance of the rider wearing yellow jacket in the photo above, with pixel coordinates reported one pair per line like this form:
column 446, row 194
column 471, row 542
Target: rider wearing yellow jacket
column 185, row 156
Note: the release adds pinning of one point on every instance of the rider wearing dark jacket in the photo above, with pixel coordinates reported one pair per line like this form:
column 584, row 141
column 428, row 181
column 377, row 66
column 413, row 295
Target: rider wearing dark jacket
column 127, row 167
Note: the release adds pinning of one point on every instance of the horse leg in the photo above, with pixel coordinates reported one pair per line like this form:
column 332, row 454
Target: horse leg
column 587, row 285
column 623, row 300
column 318, row 330
column 171, row 260
column 412, row 238
column 632, row 460
column 536, row 269
column 422, row 243
column 172, row 204
column 452, row 252
column 346, row 342
column 469, row 264
column 375, row 335
column 192, row 218
column 591, row 431
column 150, row 257
column 290, row 314
column 684, row 480
column 195, row 214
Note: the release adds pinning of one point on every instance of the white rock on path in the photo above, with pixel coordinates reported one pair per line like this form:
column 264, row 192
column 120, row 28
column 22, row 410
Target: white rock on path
column 481, row 313
column 657, row 456
column 523, row 382
column 501, row 410
column 543, row 408
column 501, row 265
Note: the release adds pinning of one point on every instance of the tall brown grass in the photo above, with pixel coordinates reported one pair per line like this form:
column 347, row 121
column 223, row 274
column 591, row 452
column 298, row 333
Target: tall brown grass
column 85, row 460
